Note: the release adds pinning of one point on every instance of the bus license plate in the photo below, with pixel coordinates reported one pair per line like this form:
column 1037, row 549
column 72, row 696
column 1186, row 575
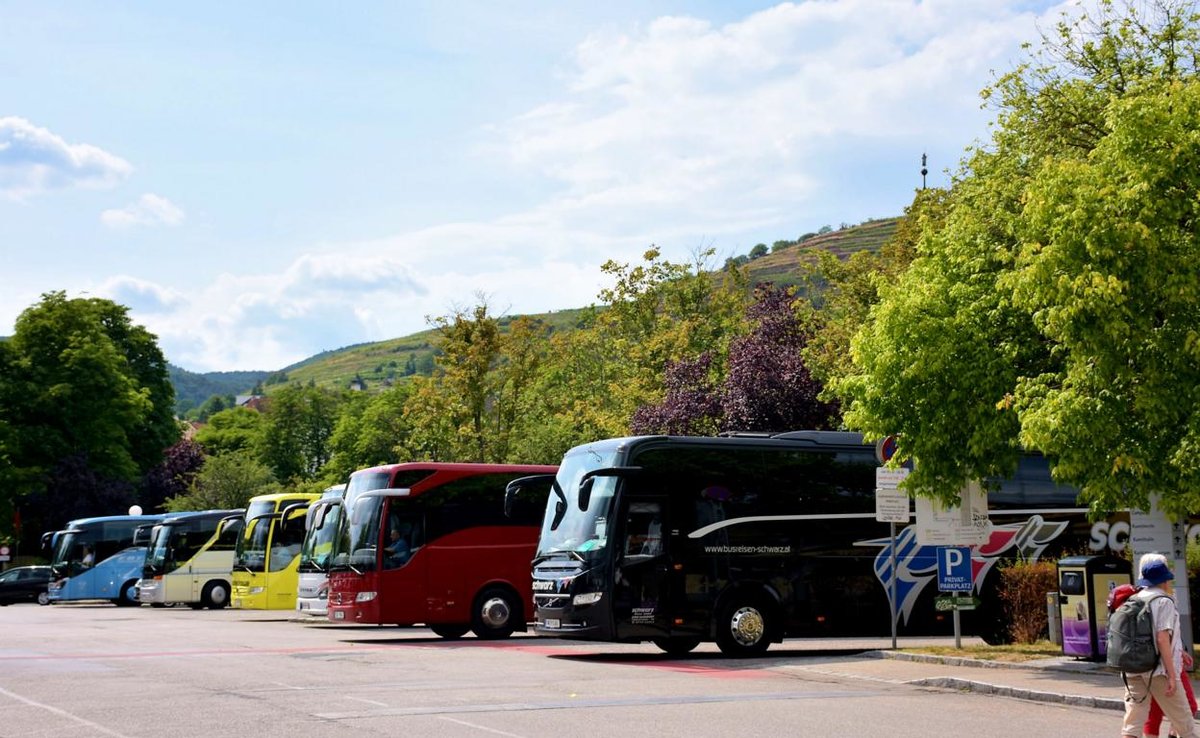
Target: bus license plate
column 552, row 623
column 339, row 615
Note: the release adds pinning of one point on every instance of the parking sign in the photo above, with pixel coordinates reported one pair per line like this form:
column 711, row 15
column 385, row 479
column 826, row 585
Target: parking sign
column 954, row 569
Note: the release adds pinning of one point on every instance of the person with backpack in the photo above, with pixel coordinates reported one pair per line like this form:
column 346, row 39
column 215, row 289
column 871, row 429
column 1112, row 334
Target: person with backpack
column 1153, row 725
column 1163, row 682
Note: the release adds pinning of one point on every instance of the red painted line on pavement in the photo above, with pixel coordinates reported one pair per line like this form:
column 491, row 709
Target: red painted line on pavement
column 162, row 654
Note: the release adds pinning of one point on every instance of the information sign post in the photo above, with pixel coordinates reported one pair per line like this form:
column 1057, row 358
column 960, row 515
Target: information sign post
column 891, row 506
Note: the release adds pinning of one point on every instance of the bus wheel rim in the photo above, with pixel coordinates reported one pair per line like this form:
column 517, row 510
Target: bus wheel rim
column 495, row 612
column 746, row 626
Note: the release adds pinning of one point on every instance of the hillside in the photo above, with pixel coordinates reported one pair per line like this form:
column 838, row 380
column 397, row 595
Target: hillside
column 192, row 389
column 782, row 267
column 382, row 363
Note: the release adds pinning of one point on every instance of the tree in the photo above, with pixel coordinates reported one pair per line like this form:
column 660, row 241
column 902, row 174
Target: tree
column 226, row 482
column 370, row 430
column 173, row 477
column 1046, row 311
column 297, row 426
column 430, row 414
column 233, row 429
column 691, row 404
column 470, row 353
column 1110, row 273
column 213, row 405
column 81, row 385
column 758, row 251
column 769, row 386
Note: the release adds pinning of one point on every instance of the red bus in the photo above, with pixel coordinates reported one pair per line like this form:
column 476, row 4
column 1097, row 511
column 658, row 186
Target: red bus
column 430, row 543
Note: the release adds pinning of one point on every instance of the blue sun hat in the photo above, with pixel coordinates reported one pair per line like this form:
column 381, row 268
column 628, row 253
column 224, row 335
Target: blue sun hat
column 1155, row 573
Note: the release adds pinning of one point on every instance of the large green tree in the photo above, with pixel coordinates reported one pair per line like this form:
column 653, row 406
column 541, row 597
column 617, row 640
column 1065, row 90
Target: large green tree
column 80, row 382
column 1052, row 306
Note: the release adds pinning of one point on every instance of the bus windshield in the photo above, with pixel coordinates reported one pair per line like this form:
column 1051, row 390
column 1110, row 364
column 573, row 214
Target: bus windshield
column 355, row 534
column 64, row 547
column 160, row 544
column 358, row 535
column 317, row 551
column 252, row 546
column 565, row 526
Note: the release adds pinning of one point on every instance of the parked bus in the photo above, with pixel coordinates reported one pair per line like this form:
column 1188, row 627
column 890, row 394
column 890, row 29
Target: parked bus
column 190, row 559
column 744, row 540
column 316, row 553
column 430, row 543
column 99, row 558
column 268, row 552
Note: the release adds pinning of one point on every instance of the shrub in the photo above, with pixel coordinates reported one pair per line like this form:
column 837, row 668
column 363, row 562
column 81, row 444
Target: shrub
column 1023, row 588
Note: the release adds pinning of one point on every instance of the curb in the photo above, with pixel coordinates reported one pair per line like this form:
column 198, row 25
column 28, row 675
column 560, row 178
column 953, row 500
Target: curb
column 966, row 685
column 1078, row 667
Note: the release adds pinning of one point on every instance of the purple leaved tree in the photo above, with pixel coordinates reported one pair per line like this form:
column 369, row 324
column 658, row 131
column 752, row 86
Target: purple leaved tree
column 769, row 387
column 690, row 406
column 173, row 477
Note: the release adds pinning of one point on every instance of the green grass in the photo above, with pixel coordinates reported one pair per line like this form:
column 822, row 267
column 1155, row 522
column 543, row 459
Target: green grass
column 1012, row 653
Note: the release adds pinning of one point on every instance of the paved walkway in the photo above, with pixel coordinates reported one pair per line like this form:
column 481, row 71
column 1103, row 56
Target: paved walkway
column 1060, row 680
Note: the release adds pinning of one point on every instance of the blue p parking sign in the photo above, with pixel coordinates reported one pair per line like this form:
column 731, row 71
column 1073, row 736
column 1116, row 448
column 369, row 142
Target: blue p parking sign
column 954, row 569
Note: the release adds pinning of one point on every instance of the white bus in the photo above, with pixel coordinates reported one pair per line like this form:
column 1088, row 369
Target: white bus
column 316, row 553
column 190, row 559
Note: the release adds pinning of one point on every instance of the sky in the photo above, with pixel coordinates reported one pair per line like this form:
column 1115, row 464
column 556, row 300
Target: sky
column 260, row 182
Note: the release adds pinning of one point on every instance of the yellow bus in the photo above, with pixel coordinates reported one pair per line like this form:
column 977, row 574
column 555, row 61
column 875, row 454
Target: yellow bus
column 265, row 562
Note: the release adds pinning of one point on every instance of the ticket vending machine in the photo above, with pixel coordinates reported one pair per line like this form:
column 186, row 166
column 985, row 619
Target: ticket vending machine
column 1083, row 586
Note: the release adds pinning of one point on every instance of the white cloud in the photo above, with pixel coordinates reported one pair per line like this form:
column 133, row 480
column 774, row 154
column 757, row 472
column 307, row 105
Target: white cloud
column 149, row 210
column 34, row 160
column 141, row 296
column 733, row 126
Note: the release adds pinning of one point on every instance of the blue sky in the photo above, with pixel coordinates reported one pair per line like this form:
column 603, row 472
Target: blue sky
column 261, row 182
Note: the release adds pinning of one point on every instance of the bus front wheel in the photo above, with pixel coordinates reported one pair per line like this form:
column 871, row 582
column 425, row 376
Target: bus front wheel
column 215, row 595
column 495, row 613
column 744, row 627
column 129, row 595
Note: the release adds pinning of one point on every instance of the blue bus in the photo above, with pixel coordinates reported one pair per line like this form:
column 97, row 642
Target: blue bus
column 100, row 558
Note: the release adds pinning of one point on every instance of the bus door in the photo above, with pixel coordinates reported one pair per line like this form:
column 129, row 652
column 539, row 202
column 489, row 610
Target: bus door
column 642, row 602
column 402, row 579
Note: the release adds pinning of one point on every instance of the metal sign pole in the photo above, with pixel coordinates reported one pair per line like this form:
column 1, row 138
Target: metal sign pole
column 957, row 625
column 894, row 578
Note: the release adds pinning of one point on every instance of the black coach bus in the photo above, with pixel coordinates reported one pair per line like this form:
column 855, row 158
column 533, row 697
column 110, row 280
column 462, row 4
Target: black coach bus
column 747, row 539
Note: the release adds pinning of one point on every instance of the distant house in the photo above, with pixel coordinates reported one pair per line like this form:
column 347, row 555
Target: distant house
column 254, row 402
column 358, row 384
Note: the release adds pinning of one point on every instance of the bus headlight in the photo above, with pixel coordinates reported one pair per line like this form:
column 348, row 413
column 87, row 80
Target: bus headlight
column 256, row 590
column 587, row 598
column 364, row 597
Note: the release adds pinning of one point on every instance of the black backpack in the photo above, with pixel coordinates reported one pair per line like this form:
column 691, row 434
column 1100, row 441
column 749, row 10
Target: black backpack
column 1132, row 647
